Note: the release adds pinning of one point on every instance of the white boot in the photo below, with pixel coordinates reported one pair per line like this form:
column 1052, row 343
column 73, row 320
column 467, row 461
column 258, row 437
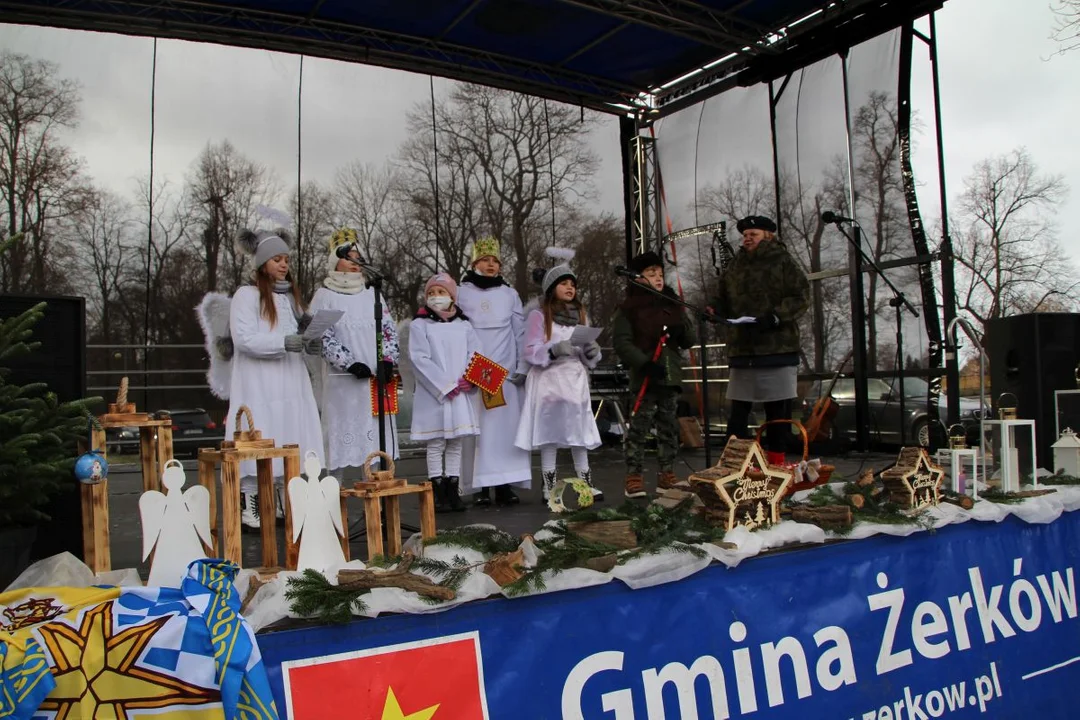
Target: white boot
column 249, row 510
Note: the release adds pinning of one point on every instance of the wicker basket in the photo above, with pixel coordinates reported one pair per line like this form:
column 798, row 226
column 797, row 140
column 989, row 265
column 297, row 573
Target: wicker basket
column 824, row 472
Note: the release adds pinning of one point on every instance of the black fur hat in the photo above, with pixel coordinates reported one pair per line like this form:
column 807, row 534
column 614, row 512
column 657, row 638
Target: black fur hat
column 756, row 222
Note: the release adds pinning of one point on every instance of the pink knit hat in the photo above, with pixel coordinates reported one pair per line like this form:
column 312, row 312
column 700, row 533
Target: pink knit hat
column 445, row 282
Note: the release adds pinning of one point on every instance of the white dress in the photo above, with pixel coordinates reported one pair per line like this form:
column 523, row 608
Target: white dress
column 350, row 429
column 440, row 353
column 493, row 459
column 558, row 404
column 273, row 383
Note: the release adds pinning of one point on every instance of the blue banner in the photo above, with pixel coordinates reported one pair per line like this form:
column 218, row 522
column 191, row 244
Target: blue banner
column 971, row 620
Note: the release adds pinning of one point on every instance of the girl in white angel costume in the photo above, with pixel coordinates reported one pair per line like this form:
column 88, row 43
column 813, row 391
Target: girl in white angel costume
column 259, row 350
column 558, row 405
column 441, row 344
column 350, row 424
column 494, row 309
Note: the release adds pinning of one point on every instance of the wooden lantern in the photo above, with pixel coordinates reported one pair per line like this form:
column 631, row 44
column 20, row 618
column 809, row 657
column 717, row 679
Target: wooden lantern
column 250, row 438
column 914, row 482
column 1007, row 411
column 957, row 437
column 743, row 488
column 1067, row 453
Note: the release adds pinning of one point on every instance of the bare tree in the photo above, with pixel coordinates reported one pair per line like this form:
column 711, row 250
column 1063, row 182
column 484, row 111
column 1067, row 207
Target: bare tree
column 362, row 201
column 1010, row 258
column 101, row 230
column 599, row 240
column 314, row 221
column 1066, row 29
column 526, row 154
column 39, row 176
column 224, row 188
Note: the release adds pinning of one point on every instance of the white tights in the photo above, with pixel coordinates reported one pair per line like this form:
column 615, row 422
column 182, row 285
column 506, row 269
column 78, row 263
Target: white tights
column 444, row 457
column 579, row 454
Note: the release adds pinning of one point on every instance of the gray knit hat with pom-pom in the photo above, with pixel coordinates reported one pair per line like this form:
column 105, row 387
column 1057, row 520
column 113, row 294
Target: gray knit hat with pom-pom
column 264, row 244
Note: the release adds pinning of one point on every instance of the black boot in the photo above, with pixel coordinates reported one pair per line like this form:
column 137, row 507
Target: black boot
column 438, row 486
column 453, row 497
column 504, row 495
column 597, row 493
column 549, row 484
column 483, row 497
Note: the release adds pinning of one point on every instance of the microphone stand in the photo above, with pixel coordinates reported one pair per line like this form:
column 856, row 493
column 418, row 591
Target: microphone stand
column 375, row 282
column 702, row 320
column 898, row 302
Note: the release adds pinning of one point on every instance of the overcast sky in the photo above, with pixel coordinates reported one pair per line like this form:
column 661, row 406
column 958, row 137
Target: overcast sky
column 999, row 91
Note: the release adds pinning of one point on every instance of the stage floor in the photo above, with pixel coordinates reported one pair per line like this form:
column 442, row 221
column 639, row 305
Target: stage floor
column 608, row 467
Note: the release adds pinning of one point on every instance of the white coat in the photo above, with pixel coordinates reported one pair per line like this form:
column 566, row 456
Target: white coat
column 440, row 352
column 558, row 403
column 273, row 383
column 349, row 427
column 493, row 459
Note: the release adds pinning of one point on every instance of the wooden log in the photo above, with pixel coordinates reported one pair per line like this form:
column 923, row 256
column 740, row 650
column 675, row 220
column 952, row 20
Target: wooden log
column 856, row 500
column 866, row 479
column 963, row 501
column 506, row 568
column 825, row 516
column 1032, row 493
column 399, row 577
column 616, row 533
column 603, row 564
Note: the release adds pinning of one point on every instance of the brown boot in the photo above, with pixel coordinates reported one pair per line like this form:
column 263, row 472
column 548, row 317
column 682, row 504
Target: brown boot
column 635, row 486
column 666, row 480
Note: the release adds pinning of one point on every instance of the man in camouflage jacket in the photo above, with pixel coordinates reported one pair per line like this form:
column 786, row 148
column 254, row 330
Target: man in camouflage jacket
column 637, row 328
column 763, row 282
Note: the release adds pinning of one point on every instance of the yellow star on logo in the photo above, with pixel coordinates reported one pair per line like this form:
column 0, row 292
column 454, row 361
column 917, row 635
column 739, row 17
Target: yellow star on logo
column 392, row 710
column 96, row 673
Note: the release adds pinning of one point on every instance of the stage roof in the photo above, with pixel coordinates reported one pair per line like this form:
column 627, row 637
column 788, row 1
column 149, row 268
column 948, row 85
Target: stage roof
column 609, row 55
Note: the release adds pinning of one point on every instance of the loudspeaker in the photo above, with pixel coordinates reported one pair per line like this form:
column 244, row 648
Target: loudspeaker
column 1031, row 356
column 60, row 362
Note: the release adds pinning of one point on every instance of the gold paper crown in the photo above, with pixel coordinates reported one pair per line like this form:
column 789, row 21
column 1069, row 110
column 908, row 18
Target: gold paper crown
column 485, row 247
column 343, row 236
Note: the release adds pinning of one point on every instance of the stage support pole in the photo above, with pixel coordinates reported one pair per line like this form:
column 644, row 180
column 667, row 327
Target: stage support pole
column 627, row 132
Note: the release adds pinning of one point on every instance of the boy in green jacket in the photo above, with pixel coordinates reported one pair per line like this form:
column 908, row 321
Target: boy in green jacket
column 637, row 327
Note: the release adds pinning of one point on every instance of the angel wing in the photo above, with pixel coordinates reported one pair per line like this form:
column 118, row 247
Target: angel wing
column 298, row 497
column 213, row 314
column 331, row 493
column 197, row 500
column 152, row 513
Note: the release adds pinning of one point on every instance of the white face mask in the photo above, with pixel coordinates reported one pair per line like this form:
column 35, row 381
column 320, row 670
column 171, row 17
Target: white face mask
column 440, row 302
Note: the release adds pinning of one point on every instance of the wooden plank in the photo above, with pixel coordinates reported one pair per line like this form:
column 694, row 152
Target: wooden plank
column 388, row 492
column 164, row 447
column 373, row 521
column 208, row 479
column 292, row 469
column 260, row 444
column 264, row 471
column 230, row 509
column 427, row 512
column 148, row 459
column 345, row 527
column 124, row 419
column 95, row 519
column 393, row 525
column 268, row 453
column 379, row 484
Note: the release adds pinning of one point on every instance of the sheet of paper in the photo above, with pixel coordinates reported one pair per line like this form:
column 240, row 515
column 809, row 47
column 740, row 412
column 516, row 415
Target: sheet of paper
column 584, row 334
column 745, row 319
column 320, row 322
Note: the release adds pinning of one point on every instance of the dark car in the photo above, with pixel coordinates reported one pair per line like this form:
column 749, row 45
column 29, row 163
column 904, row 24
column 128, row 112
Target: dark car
column 885, row 421
column 193, row 429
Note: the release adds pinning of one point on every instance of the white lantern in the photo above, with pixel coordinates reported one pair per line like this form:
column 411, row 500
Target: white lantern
column 1067, row 454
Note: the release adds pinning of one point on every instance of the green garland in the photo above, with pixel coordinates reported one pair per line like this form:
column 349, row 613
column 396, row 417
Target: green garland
column 1002, row 498
column 1061, row 479
column 884, row 512
column 658, row 529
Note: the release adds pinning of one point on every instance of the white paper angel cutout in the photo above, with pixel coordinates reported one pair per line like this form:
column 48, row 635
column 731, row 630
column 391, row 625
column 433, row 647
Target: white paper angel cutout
column 175, row 526
column 316, row 512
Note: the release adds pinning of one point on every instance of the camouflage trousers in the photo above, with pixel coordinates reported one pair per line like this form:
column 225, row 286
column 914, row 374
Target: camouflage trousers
column 657, row 410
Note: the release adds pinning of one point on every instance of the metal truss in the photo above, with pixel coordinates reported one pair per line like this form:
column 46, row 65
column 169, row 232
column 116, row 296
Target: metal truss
column 309, row 35
column 645, row 222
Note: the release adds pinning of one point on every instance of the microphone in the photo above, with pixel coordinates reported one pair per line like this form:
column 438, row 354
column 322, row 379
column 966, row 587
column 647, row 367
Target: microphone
column 830, row 217
column 624, row 272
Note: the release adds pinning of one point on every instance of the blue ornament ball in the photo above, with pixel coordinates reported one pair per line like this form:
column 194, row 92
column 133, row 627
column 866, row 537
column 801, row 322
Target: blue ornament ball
column 91, row 468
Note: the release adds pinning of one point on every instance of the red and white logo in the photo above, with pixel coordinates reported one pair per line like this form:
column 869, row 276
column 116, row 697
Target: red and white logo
column 436, row 679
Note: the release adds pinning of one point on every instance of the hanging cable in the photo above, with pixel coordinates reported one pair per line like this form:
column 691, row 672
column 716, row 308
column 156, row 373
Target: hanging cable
column 435, row 144
column 299, row 192
column 149, row 231
column 551, row 171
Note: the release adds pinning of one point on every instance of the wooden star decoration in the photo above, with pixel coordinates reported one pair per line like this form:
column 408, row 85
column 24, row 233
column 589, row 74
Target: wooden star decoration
column 914, row 482
column 97, row 673
column 743, row 488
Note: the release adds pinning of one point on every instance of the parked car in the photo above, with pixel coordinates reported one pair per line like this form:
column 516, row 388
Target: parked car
column 192, row 429
column 885, row 421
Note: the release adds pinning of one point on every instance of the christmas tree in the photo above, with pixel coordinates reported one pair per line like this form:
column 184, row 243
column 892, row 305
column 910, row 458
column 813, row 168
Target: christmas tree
column 39, row 433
